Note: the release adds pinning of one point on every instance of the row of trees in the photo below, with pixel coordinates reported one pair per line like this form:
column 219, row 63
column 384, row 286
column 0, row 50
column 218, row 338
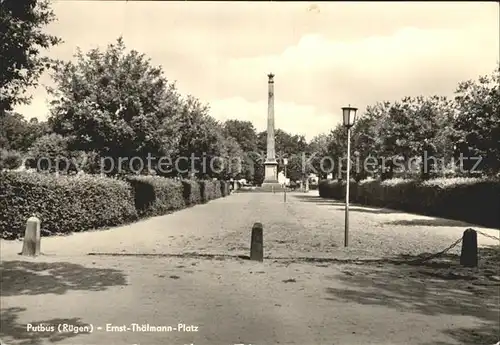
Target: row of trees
column 115, row 104
column 459, row 137
column 462, row 133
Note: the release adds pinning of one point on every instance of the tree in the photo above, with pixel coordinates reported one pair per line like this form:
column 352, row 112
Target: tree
column 22, row 39
column 10, row 159
column 245, row 135
column 201, row 141
column 397, row 133
column 243, row 132
column 12, row 130
column 253, row 166
column 18, row 134
column 285, row 143
column 50, row 154
column 233, row 161
column 477, row 121
column 295, row 169
column 337, row 149
column 115, row 103
column 390, row 136
column 318, row 155
column 36, row 129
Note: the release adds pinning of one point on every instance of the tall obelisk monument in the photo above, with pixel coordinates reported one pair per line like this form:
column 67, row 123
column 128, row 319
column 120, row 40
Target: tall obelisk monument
column 270, row 165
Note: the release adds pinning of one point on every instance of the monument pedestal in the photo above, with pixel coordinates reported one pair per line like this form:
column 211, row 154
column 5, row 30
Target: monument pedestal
column 271, row 178
column 270, row 187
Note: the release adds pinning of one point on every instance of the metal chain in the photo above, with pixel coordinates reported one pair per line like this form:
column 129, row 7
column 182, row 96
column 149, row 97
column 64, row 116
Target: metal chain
column 188, row 255
column 489, row 236
column 433, row 256
column 420, row 260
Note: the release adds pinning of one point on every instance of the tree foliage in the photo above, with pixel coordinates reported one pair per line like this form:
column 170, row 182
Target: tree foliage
column 317, row 152
column 201, row 140
column 243, row 132
column 115, row 103
column 23, row 40
column 50, row 153
column 477, row 121
column 18, row 134
column 389, row 138
column 10, row 159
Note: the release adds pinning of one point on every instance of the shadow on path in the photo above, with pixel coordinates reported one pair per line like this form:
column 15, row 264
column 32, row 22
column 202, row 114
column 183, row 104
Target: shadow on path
column 429, row 222
column 352, row 206
column 434, row 288
column 37, row 278
column 10, row 327
column 316, row 199
column 366, row 210
column 487, row 334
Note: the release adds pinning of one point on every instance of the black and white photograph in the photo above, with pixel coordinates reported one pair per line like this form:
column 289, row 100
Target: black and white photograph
column 249, row 173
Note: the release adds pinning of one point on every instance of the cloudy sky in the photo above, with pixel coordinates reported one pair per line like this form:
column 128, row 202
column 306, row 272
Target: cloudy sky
column 324, row 55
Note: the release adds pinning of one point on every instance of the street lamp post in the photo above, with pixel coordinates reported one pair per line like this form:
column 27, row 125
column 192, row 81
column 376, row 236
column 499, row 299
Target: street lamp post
column 285, row 163
column 349, row 116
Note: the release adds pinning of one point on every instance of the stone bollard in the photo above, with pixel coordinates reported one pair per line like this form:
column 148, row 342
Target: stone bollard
column 257, row 245
column 468, row 256
column 31, row 244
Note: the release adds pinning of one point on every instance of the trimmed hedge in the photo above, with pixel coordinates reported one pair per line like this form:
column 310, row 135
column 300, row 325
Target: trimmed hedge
column 155, row 195
column 64, row 204
column 67, row 204
column 207, row 190
column 217, row 189
column 224, row 188
column 192, row 192
column 470, row 200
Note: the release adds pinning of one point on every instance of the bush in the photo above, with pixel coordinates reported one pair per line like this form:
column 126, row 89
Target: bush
column 63, row 204
column 191, row 192
column 155, row 195
column 209, row 190
column 10, row 159
column 217, row 189
column 225, row 188
column 206, row 190
column 323, row 189
column 334, row 189
column 470, row 200
column 50, row 153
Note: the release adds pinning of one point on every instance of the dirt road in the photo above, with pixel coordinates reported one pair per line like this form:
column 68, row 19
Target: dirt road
column 227, row 300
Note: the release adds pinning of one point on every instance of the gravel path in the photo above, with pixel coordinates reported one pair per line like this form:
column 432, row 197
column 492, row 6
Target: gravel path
column 304, row 226
column 230, row 300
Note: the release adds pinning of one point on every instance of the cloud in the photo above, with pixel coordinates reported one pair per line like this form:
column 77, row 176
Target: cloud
column 326, row 58
column 316, row 77
column 411, row 60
